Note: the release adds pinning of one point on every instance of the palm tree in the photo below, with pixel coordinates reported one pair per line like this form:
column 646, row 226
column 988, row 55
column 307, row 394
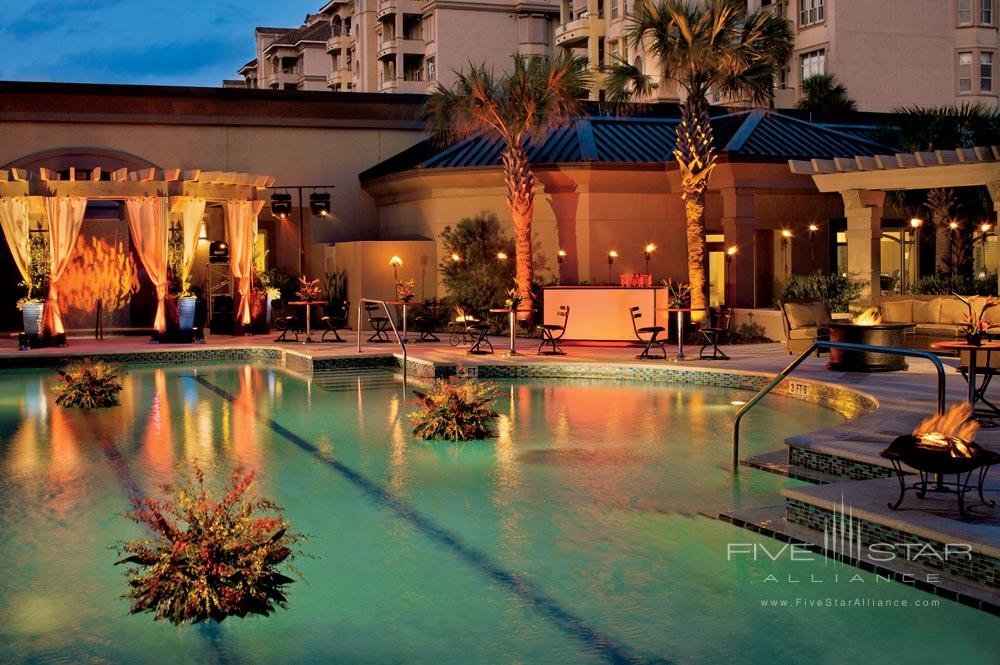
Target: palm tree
column 516, row 108
column 702, row 47
column 822, row 93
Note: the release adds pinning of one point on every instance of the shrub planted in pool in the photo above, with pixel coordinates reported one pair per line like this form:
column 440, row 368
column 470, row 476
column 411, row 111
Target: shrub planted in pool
column 455, row 411
column 89, row 385
column 208, row 558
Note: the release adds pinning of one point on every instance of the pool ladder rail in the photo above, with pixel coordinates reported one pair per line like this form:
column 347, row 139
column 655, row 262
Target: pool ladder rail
column 395, row 331
column 845, row 346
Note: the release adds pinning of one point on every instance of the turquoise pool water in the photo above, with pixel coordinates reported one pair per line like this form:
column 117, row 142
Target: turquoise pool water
column 582, row 534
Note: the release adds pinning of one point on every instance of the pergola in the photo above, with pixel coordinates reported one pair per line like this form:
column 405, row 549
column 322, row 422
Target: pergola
column 153, row 198
column 862, row 182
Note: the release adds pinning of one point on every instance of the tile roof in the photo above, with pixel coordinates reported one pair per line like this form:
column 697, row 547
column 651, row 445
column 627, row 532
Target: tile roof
column 746, row 135
column 318, row 31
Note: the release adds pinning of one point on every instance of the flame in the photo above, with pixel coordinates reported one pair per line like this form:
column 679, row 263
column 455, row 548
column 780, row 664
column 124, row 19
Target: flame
column 870, row 317
column 953, row 429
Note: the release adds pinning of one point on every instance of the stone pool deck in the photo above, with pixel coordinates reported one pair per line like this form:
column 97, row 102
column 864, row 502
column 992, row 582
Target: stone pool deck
column 841, row 463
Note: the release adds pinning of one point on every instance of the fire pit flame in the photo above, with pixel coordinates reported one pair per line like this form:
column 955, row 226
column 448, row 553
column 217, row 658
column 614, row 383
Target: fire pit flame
column 952, row 430
column 870, row 317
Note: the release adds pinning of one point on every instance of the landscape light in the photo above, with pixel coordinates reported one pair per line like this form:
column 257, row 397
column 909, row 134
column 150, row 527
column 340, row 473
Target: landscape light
column 813, row 228
column 612, row 255
column 395, row 261
column 985, row 227
column 650, row 248
column 785, row 233
column 916, row 222
column 731, row 251
column 953, row 226
column 501, row 256
column 456, row 258
column 319, row 203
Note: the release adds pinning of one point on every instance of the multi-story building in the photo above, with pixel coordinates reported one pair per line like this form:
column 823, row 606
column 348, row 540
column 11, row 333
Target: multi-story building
column 889, row 53
column 398, row 45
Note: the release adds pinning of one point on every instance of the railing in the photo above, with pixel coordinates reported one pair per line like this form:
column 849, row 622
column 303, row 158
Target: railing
column 822, row 344
column 395, row 331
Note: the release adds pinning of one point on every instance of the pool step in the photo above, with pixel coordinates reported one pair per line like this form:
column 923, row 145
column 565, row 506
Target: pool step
column 776, row 462
column 353, row 379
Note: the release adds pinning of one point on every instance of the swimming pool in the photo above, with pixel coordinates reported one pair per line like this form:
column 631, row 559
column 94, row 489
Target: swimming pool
column 584, row 532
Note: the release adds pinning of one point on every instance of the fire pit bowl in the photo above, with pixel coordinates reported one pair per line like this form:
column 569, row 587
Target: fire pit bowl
column 879, row 334
column 940, row 455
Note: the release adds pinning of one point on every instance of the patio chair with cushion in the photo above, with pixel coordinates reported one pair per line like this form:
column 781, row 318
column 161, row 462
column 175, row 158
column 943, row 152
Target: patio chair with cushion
column 720, row 321
column 805, row 322
column 379, row 323
column 335, row 318
column 653, row 339
column 552, row 333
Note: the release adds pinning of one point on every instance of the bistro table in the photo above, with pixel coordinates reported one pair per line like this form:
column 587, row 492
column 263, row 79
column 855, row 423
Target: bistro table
column 974, row 351
column 308, row 304
column 403, row 304
column 512, row 315
column 680, row 325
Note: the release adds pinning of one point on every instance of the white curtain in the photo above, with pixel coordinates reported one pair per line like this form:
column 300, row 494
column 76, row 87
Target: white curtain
column 241, row 230
column 192, row 214
column 14, row 222
column 147, row 220
column 65, row 215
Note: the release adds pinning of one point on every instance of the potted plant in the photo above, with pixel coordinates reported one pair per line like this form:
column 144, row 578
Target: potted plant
column 335, row 289
column 180, row 281
column 975, row 323
column 32, row 305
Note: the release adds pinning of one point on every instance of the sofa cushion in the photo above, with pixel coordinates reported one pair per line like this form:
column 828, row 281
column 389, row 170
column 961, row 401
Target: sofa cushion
column 804, row 314
column 898, row 311
column 952, row 310
column 810, row 332
column 926, row 311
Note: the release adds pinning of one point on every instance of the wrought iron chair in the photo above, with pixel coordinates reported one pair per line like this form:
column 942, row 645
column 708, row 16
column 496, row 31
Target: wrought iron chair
column 425, row 318
column 652, row 341
column 379, row 324
column 552, row 333
column 721, row 320
column 335, row 319
column 287, row 322
column 479, row 331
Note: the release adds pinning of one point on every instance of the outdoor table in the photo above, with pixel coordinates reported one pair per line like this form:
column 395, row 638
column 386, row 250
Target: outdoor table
column 308, row 305
column 680, row 325
column 512, row 315
column 974, row 351
column 403, row 304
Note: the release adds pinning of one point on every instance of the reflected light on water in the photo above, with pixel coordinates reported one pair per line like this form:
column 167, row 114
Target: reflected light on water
column 399, row 447
column 157, row 446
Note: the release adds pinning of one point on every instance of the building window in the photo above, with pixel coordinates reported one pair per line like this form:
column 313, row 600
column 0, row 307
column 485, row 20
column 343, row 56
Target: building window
column 965, row 12
column 986, row 72
column 986, row 12
column 431, row 69
column 810, row 12
column 614, row 8
column 964, row 72
column 811, row 64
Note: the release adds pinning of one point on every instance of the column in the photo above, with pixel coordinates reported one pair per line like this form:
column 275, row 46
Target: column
column 738, row 225
column 863, row 209
column 994, row 189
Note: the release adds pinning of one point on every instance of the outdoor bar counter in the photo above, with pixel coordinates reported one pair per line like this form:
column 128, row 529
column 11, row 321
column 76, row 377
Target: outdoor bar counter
column 601, row 313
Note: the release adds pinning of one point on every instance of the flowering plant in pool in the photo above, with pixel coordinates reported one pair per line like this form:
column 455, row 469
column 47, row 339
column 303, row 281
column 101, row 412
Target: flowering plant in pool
column 208, row 558
column 89, row 385
column 457, row 411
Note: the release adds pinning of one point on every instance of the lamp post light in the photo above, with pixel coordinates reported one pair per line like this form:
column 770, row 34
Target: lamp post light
column 786, row 235
column 455, row 257
column 984, row 229
column 650, row 248
column 953, row 227
column 612, row 255
column 395, row 262
column 915, row 224
column 813, row 228
column 560, row 255
column 501, row 257
column 730, row 253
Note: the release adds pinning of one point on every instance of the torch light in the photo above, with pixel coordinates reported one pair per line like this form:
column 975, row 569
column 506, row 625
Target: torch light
column 612, row 255
column 650, row 248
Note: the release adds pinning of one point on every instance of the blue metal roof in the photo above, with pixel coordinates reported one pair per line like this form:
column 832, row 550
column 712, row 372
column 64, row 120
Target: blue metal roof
column 746, row 135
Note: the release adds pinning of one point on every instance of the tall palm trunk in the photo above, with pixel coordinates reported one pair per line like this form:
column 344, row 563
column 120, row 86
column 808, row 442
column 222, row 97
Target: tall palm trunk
column 695, row 154
column 940, row 202
column 521, row 200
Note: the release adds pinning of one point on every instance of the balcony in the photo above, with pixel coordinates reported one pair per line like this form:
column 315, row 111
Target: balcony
column 339, row 77
column 403, row 86
column 279, row 80
column 339, row 42
column 387, row 49
column 576, row 31
column 390, row 7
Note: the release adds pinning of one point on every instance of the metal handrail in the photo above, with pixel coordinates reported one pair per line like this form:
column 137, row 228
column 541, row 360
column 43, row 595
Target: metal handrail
column 399, row 338
column 822, row 344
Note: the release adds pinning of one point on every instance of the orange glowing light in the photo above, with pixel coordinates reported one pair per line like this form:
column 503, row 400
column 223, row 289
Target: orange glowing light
column 650, row 248
column 98, row 270
column 395, row 261
column 956, row 422
column 870, row 317
column 732, row 250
